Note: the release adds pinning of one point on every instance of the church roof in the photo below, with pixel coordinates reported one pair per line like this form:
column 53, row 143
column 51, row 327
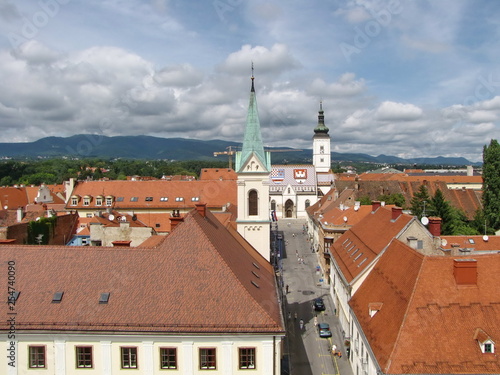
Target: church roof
column 252, row 141
column 321, row 127
column 295, row 175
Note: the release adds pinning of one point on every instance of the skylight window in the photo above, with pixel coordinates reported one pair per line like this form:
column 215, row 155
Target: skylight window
column 57, row 297
column 256, row 274
column 195, row 199
column 256, row 265
column 471, row 240
column 104, row 298
column 179, row 199
column 119, row 199
column 360, row 263
column 164, row 199
column 357, row 256
column 149, row 199
column 255, row 284
column 134, row 199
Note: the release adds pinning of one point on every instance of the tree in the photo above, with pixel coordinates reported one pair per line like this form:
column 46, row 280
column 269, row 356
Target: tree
column 491, row 184
column 397, row 199
column 419, row 201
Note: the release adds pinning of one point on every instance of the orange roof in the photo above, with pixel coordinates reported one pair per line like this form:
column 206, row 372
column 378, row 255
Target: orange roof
column 473, row 243
column 156, row 194
column 200, row 279
column 363, row 242
column 428, row 323
column 218, row 174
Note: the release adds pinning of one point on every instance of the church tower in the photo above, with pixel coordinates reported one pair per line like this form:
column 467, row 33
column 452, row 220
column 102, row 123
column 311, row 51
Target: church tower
column 253, row 166
column 321, row 144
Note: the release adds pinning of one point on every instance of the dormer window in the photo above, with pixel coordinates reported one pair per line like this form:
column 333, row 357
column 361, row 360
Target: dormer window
column 374, row 308
column 486, row 344
column 74, row 200
column 109, row 200
column 86, row 200
column 98, row 201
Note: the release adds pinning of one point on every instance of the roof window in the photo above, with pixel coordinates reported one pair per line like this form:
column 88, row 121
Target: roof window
column 57, row 297
column 164, row 199
column 134, row 199
column 104, row 298
column 179, row 199
column 149, row 199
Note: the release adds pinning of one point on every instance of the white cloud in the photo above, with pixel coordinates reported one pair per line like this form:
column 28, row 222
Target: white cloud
column 391, row 111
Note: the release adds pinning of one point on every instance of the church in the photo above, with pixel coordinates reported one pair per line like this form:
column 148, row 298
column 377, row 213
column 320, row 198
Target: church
column 267, row 192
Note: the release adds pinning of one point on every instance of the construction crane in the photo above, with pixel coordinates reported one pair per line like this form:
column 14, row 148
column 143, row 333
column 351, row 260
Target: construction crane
column 231, row 150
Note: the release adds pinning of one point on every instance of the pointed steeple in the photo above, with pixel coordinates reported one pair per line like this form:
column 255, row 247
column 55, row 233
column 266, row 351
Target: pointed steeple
column 321, row 127
column 252, row 141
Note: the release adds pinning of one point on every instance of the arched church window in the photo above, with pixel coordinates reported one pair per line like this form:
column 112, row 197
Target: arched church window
column 253, row 202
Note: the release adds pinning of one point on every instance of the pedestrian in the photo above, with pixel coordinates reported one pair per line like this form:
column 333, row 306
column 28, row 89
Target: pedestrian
column 301, row 324
column 286, row 288
column 315, row 321
column 295, row 315
column 289, row 315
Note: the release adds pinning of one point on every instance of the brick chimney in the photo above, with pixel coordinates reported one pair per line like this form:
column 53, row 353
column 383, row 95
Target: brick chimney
column 174, row 221
column 396, row 212
column 435, row 226
column 202, row 209
column 465, row 271
column 375, row 205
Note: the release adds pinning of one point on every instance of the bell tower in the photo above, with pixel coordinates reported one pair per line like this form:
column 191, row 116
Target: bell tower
column 322, row 158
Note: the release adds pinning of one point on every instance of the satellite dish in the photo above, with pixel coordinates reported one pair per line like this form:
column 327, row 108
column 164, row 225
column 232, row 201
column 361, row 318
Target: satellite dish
column 424, row 220
column 356, row 208
column 5, row 207
column 124, row 218
column 485, row 238
column 111, row 217
column 134, row 218
column 345, row 219
column 444, row 242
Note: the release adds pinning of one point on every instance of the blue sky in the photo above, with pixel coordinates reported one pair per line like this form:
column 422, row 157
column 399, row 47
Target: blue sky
column 396, row 77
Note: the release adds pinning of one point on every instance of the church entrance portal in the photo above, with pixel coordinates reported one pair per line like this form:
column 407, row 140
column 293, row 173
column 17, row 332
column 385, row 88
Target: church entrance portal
column 288, row 208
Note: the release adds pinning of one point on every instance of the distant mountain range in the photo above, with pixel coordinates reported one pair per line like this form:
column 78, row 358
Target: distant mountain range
column 153, row 148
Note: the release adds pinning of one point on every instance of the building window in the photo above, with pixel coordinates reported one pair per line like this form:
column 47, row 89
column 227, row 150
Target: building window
column 84, row 356
column 37, row 356
column 308, row 203
column 74, row 201
column 109, row 201
column 98, row 201
column 488, row 348
column 149, row 199
column 86, row 201
column 129, row 357
column 247, row 358
column 207, row 359
column 253, row 200
column 168, row 358
column 273, row 205
column 89, row 215
column 179, row 199
column 195, row 199
column 134, row 199
column 164, row 199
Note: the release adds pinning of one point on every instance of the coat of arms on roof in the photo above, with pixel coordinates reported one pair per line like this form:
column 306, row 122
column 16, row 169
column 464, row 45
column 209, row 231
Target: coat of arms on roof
column 300, row 175
column 278, row 174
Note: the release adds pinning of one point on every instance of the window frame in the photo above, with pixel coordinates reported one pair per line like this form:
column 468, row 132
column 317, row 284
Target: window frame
column 253, row 203
column 129, row 363
column 246, row 358
column 35, row 356
column 205, row 358
column 166, row 358
column 84, row 359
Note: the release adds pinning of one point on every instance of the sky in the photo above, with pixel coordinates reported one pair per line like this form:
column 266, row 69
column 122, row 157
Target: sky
column 405, row 78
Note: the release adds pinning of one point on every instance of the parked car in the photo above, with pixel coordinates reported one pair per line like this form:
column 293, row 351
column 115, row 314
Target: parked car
column 324, row 330
column 318, row 304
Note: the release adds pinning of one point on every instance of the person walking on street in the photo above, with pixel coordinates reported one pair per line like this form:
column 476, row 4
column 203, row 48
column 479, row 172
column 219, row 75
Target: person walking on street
column 295, row 315
column 315, row 321
column 301, row 324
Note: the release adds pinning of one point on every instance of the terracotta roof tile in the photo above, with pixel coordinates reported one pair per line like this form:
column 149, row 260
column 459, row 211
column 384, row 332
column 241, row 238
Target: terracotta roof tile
column 428, row 322
column 199, row 279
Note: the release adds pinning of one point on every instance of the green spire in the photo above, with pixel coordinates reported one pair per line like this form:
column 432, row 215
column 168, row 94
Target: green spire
column 321, row 128
column 252, row 141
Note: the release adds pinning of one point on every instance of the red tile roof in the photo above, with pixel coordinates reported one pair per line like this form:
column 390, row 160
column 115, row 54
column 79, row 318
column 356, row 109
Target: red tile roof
column 363, row 242
column 199, row 279
column 427, row 323
column 473, row 243
column 132, row 194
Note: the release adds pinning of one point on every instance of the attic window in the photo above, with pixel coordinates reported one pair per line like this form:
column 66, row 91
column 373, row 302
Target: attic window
column 179, row 199
column 357, row 256
column 149, row 199
column 195, row 199
column 256, row 274
column 486, row 344
column 104, row 298
column 57, row 297
column 119, row 199
column 256, row 265
column 355, row 251
column 74, row 200
column 374, row 308
column 255, row 284
column 134, row 199
column 471, row 240
column 164, row 199
column 157, row 225
column 343, row 243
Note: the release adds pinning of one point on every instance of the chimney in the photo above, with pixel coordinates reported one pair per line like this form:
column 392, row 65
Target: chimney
column 396, row 212
column 174, row 221
column 20, row 214
column 375, row 205
column 202, row 209
column 435, row 226
column 465, row 271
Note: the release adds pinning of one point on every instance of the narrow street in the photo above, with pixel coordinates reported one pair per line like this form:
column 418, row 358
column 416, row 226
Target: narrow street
column 308, row 354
